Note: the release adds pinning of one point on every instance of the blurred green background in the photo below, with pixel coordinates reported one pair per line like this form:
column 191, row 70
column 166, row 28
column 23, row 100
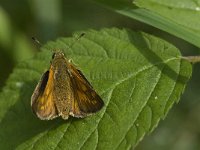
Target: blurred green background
column 49, row 19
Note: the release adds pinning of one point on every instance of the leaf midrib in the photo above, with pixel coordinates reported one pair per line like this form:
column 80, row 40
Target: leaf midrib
column 174, row 6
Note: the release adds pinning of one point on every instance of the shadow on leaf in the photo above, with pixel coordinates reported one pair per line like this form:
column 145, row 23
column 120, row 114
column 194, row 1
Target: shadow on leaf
column 137, row 39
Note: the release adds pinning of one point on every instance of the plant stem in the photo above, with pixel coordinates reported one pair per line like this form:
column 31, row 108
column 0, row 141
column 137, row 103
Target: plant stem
column 192, row 59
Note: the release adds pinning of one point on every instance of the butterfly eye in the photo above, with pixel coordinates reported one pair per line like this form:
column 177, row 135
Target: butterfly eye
column 53, row 55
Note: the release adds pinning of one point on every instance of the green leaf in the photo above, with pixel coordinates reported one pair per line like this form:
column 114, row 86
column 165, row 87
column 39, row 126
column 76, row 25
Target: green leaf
column 187, row 11
column 138, row 76
column 180, row 17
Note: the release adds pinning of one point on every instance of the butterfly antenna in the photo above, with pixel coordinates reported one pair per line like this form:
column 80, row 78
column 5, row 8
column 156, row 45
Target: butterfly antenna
column 76, row 39
column 37, row 42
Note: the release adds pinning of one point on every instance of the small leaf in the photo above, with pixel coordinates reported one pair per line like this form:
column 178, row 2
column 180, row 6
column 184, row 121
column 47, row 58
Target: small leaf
column 138, row 76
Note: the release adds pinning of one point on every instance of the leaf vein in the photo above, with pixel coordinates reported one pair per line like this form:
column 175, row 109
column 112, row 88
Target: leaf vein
column 109, row 97
column 44, row 134
column 144, row 105
column 62, row 136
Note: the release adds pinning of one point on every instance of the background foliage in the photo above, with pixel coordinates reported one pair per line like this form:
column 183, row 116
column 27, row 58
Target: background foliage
column 20, row 20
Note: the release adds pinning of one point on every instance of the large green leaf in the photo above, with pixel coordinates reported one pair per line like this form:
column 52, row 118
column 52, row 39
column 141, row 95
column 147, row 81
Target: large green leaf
column 178, row 17
column 138, row 76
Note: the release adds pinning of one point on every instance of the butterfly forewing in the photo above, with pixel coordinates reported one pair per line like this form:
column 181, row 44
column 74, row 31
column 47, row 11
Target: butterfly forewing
column 86, row 99
column 42, row 99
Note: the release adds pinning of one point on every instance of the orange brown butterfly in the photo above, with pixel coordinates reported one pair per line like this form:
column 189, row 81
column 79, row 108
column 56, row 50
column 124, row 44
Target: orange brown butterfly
column 64, row 91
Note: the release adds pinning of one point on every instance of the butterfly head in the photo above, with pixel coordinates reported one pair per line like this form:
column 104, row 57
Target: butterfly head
column 58, row 54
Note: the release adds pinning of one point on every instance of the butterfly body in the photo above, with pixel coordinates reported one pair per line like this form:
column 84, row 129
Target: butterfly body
column 62, row 95
column 64, row 91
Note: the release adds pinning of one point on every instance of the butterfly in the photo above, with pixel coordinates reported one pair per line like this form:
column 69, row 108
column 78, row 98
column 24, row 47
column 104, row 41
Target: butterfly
column 64, row 91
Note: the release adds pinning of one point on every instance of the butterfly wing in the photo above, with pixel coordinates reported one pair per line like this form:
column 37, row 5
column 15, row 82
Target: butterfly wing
column 86, row 100
column 42, row 101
